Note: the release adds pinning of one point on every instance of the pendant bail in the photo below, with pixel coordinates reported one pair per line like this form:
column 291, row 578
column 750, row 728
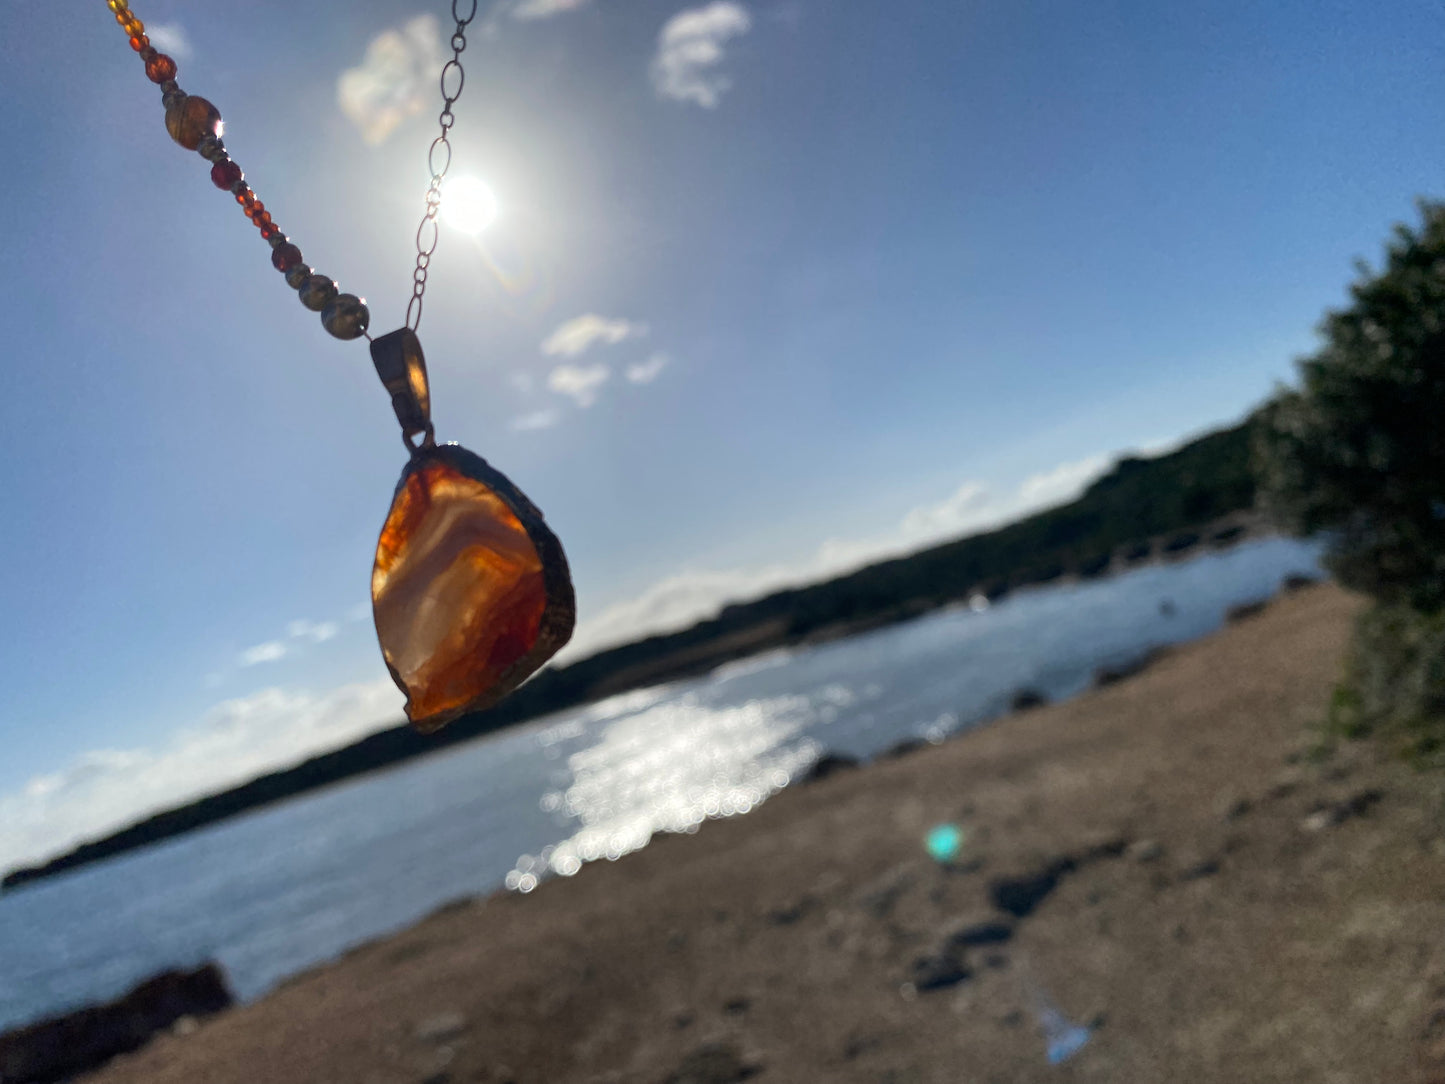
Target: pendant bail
column 402, row 368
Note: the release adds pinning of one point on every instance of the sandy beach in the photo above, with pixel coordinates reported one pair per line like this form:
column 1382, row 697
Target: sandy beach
column 1161, row 859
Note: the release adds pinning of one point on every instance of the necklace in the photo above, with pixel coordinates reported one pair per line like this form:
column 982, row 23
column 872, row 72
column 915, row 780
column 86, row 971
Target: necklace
column 470, row 591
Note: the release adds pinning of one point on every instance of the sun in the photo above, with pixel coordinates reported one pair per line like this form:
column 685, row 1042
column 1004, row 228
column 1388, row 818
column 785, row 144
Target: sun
column 468, row 204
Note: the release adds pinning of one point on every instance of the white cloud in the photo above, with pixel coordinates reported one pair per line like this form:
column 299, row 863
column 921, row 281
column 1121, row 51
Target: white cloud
column 645, row 372
column 170, row 38
column 270, row 651
column 236, row 740
column 396, row 78
column 581, row 382
column 686, row 597
column 318, row 632
column 580, row 333
column 545, row 9
column 541, row 419
column 689, row 49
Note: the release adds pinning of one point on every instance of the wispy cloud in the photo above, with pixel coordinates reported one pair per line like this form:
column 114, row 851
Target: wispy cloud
column 581, row 333
column 235, row 740
column 395, row 79
column 581, row 382
column 540, row 419
column 690, row 49
column 318, row 632
column 270, row 651
column 170, row 38
column 545, row 9
column 645, row 372
column 683, row 598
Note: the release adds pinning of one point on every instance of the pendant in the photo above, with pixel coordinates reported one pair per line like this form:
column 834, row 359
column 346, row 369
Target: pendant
column 470, row 590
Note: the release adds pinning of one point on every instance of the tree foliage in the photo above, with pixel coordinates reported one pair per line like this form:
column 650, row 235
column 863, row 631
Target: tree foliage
column 1358, row 449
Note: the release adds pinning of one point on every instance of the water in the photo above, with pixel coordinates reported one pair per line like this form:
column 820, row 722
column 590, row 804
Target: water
column 274, row 892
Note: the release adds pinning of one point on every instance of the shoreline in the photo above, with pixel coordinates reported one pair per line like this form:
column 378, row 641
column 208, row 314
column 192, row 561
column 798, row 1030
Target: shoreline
column 1218, row 536
column 1158, row 858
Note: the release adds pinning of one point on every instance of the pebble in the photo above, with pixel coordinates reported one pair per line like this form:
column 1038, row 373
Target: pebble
column 1145, row 850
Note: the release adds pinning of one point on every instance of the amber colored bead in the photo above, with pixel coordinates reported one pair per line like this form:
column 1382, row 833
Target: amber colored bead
column 130, row 24
column 160, row 68
column 255, row 208
column 225, row 173
column 117, row 5
column 270, row 231
column 284, row 257
column 262, row 220
column 192, row 119
column 140, row 42
column 246, row 197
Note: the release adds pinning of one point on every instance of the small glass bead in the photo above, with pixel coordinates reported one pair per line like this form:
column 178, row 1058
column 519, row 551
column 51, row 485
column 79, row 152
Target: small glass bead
column 261, row 219
column 131, row 25
column 160, row 68
column 272, row 234
column 211, row 149
column 346, row 317
column 192, row 119
column 140, row 43
column 172, row 98
column 117, row 5
column 297, row 276
column 253, row 209
column 147, row 53
column 225, row 173
column 317, row 292
column 244, row 196
column 285, row 257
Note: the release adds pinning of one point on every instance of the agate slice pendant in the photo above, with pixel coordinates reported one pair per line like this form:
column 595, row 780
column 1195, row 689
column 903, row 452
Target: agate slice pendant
column 470, row 590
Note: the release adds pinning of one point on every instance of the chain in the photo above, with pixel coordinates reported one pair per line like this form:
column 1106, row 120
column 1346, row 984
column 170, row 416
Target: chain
column 426, row 233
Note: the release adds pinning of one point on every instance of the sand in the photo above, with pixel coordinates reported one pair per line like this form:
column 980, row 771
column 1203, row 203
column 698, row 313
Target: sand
column 1223, row 908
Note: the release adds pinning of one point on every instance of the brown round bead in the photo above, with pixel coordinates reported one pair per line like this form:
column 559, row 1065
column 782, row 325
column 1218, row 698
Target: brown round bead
column 225, row 173
column 284, row 257
column 346, row 317
column 317, row 292
column 161, row 68
column 191, row 119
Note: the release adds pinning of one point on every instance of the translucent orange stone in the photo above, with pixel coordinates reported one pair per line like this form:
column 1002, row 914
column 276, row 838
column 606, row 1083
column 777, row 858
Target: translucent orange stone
column 470, row 590
column 191, row 119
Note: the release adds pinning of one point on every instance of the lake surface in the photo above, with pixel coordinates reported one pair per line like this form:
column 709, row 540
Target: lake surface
column 276, row 891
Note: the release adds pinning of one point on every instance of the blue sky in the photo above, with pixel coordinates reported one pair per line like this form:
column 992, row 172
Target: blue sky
column 775, row 287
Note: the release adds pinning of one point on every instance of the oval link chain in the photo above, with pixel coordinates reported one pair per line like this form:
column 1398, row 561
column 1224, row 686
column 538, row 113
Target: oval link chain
column 438, row 160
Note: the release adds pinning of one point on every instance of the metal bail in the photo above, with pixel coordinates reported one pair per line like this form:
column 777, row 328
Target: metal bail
column 402, row 368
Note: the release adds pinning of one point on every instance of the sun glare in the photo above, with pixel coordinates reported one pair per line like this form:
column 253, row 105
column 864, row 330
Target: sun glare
column 468, row 204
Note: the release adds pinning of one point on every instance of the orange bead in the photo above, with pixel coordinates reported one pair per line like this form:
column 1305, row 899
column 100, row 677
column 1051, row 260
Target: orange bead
column 254, row 209
column 245, row 198
column 260, row 219
column 139, row 43
column 160, row 68
column 191, row 119
column 117, row 5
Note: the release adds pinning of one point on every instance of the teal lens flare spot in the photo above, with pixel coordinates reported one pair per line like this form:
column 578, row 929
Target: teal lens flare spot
column 943, row 842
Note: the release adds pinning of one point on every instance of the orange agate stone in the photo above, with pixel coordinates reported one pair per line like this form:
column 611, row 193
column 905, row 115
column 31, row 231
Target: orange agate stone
column 470, row 589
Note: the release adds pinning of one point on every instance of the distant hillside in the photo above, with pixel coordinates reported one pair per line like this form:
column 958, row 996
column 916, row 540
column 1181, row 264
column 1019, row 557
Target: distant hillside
column 1140, row 508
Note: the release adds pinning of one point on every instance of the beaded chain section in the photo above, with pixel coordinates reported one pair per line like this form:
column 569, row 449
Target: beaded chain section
column 195, row 124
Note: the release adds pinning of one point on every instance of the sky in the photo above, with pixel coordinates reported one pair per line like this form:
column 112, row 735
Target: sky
column 774, row 287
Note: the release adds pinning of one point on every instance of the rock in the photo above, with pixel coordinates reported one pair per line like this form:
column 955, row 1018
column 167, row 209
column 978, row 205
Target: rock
column 1112, row 674
column 65, row 1046
column 1026, row 699
column 1328, row 816
column 186, row 1025
column 1297, row 581
column 440, row 1028
column 1020, row 895
column 1231, row 807
column 826, row 765
column 1245, row 610
column 982, row 933
column 902, row 749
column 937, row 971
column 1145, row 850
column 713, row 1063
